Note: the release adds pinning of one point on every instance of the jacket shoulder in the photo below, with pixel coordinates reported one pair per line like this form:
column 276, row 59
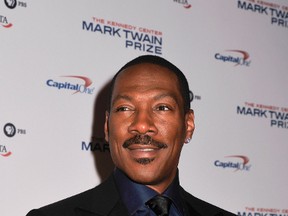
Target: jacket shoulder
column 101, row 199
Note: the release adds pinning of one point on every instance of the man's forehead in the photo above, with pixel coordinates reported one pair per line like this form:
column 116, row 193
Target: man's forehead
column 146, row 79
column 135, row 76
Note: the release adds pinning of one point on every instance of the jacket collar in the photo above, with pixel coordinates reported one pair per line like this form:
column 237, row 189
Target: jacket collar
column 104, row 200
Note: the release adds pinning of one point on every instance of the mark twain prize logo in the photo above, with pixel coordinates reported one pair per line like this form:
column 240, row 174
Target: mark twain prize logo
column 185, row 3
column 277, row 12
column 137, row 38
column 268, row 211
column 278, row 116
column 234, row 162
column 97, row 145
column 236, row 57
column 76, row 84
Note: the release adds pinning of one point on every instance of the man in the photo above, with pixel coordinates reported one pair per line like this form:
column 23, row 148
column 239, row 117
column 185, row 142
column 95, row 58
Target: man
column 147, row 123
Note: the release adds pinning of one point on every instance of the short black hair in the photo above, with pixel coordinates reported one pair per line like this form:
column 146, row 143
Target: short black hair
column 183, row 83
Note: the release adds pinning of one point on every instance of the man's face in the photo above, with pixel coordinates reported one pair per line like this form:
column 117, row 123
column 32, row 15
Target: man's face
column 147, row 126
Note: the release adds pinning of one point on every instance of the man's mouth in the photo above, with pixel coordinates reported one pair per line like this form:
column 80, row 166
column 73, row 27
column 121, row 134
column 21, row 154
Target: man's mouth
column 141, row 155
column 143, row 151
column 143, row 148
column 143, row 142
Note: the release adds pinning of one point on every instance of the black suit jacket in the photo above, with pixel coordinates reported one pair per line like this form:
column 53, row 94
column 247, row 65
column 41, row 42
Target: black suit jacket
column 104, row 200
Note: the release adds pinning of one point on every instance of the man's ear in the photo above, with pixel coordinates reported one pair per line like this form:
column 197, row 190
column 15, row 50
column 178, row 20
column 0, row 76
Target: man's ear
column 106, row 126
column 190, row 126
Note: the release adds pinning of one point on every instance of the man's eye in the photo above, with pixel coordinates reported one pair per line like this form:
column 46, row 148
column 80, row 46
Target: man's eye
column 122, row 109
column 163, row 108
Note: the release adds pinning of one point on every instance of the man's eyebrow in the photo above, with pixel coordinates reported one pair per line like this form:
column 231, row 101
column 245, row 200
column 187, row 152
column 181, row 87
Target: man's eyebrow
column 123, row 97
column 156, row 97
column 164, row 95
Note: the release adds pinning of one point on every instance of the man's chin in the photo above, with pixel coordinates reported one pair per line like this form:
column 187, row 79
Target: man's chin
column 144, row 161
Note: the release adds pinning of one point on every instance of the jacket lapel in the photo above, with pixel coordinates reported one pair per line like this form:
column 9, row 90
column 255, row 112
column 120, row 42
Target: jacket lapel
column 104, row 201
column 197, row 207
column 118, row 210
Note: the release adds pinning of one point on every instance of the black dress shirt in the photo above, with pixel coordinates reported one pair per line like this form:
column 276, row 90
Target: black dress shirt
column 134, row 196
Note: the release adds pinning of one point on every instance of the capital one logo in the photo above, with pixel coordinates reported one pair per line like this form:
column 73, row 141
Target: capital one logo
column 9, row 130
column 238, row 57
column 184, row 3
column 4, row 152
column 80, row 84
column 4, row 22
column 234, row 162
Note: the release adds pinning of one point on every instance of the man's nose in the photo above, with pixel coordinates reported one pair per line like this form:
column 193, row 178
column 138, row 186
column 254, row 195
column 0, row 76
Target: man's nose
column 143, row 123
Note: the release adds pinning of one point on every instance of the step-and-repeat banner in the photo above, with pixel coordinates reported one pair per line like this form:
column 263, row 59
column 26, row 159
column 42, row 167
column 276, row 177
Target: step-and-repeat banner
column 58, row 56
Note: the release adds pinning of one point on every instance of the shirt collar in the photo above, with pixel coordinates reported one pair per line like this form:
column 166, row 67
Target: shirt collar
column 135, row 195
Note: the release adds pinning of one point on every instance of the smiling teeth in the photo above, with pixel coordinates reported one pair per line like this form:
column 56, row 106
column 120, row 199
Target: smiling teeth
column 147, row 150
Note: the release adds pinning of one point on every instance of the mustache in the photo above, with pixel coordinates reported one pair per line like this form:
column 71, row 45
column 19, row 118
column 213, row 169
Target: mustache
column 143, row 140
